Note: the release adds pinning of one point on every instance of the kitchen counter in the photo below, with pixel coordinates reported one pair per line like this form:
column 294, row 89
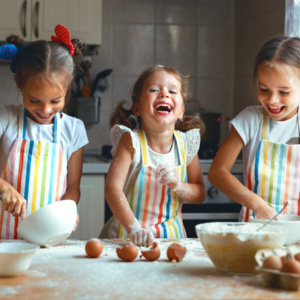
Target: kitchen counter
column 65, row 272
column 96, row 164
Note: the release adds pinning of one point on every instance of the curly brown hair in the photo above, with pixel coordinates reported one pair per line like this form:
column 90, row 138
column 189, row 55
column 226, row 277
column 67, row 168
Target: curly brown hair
column 123, row 116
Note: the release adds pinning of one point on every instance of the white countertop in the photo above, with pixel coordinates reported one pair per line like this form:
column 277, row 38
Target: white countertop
column 94, row 164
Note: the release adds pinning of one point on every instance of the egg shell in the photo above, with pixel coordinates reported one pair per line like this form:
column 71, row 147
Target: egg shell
column 176, row 251
column 297, row 256
column 272, row 262
column 153, row 253
column 129, row 252
column 93, row 248
column 291, row 266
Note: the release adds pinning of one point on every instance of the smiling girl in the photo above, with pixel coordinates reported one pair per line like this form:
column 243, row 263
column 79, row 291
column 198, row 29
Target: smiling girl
column 263, row 133
column 40, row 147
column 155, row 166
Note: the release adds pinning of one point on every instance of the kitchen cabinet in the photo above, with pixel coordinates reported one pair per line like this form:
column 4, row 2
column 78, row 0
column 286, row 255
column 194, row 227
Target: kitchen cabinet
column 36, row 19
column 90, row 207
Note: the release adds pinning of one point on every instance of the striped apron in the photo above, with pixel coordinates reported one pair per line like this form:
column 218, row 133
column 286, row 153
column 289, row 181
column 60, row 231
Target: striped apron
column 155, row 206
column 275, row 174
column 37, row 170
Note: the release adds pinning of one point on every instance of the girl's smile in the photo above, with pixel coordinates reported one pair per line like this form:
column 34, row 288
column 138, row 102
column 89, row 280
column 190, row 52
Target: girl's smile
column 43, row 101
column 161, row 101
column 277, row 91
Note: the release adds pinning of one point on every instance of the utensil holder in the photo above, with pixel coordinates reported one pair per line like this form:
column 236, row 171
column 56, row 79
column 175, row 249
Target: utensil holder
column 88, row 109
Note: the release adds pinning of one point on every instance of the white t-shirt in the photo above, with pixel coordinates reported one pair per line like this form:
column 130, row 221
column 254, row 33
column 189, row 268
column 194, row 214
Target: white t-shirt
column 191, row 143
column 73, row 133
column 249, row 122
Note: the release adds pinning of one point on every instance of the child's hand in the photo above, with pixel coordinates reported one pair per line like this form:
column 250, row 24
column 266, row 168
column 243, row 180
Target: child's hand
column 264, row 211
column 141, row 236
column 169, row 176
column 13, row 201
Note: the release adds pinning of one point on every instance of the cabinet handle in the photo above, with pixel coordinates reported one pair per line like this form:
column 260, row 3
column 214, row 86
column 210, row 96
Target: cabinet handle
column 36, row 19
column 23, row 18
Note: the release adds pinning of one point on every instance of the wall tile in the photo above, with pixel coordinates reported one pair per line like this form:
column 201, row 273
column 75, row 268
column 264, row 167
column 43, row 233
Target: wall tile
column 134, row 11
column 122, row 89
column 107, row 11
column 133, row 48
column 216, row 12
column 176, row 47
column 215, row 54
column 176, row 12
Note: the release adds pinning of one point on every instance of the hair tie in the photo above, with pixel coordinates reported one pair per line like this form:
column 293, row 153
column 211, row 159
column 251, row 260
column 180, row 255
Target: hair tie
column 63, row 37
column 9, row 52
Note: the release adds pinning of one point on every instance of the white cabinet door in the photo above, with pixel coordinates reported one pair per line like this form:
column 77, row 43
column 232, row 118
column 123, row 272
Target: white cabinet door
column 36, row 19
column 15, row 18
column 91, row 207
column 81, row 17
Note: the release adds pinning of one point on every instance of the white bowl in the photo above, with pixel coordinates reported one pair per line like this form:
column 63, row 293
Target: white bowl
column 291, row 222
column 15, row 258
column 51, row 224
column 232, row 246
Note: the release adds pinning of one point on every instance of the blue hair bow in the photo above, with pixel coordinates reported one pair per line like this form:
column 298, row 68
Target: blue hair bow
column 8, row 52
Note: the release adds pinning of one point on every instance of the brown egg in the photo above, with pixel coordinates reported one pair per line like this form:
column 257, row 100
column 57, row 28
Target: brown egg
column 176, row 251
column 291, row 266
column 282, row 259
column 129, row 252
column 93, row 247
column 153, row 253
column 297, row 256
column 272, row 262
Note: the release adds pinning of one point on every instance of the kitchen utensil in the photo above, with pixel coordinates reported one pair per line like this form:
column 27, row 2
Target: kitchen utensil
column 269, row 221
column 232, row 246
column 50, row 225
column 293, row 141
column 212, row 120
column 97, row 89
column 15, row 257
column 86, row 90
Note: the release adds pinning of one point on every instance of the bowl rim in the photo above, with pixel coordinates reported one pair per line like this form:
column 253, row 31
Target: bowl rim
column 30, row 247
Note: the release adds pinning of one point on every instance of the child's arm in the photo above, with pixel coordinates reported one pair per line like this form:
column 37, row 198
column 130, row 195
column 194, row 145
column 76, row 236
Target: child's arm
column 194, row 190
column 73, row 179
column 220, row 176
column 116, row 198
column 12, row 200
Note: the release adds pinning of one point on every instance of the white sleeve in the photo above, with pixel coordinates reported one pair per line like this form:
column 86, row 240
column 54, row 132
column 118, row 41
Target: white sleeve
column 8, row 114
column 247, row 122
column 79, row 135
column 115, row 135
column 191, row 140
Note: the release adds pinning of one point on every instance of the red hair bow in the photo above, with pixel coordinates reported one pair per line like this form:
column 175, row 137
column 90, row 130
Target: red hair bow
column 63, row 37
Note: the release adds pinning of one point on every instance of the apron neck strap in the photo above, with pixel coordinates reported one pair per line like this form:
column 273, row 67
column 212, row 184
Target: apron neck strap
column 22, row 125
column 179, row 144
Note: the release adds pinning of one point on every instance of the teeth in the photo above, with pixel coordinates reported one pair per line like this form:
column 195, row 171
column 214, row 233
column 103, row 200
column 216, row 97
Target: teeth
column 163, row 107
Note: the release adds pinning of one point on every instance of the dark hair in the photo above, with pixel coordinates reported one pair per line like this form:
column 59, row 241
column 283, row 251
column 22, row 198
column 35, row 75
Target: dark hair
column 122, row 116
column 281, row 49
column 45, row 60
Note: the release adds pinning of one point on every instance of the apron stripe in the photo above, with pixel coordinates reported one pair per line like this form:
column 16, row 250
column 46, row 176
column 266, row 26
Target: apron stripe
column 14, row 149
column 278, row 193
column 181, row 148
column 147, row 197
column 272, row 174
column 16, row 223
column 154, row 197
column 139, row 199
column 296, row 166
column 264, row 170
column 52, row 173
column 287, row 179
column 256, row 169
column 28, row 170
column 144, row 150
column 168, row 204
column 21, row 165
column 59, row 173
column 24, row 124
column 35, row 178
column 298, row 213
column 44, row 173
column 1, row 218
